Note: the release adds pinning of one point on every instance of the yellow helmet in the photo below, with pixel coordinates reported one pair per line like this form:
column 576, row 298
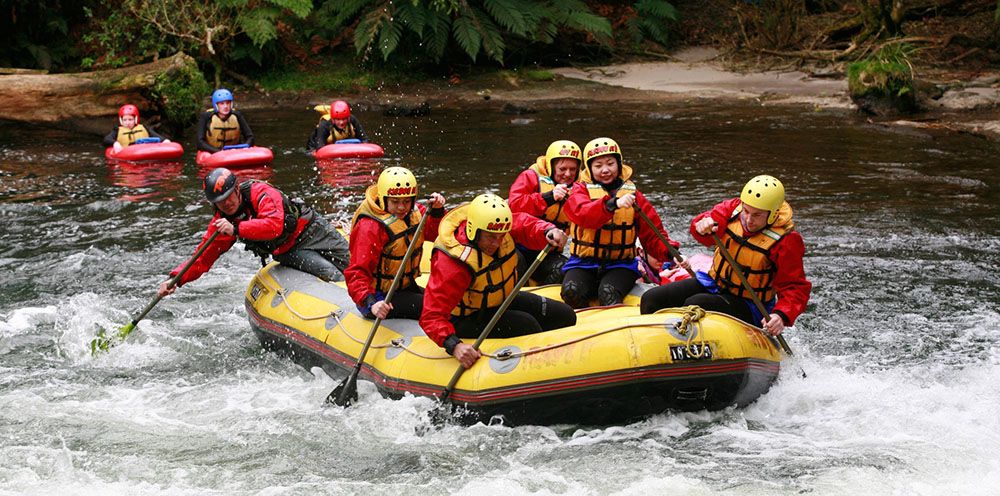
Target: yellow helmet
column 396, row 182
column 560, row 149
column 766, row 193
column 598, row 147
column 490, row 213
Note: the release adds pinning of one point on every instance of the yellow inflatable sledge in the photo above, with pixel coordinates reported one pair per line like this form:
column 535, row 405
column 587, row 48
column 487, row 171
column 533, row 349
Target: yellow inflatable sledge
column 613, row 366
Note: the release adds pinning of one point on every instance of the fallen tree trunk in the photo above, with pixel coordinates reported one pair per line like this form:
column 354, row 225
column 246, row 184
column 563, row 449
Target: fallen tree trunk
column 171, row 89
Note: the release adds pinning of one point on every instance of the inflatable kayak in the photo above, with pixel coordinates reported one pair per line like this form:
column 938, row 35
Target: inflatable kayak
column 349, row 150
column 146, row 152
column 236, row 157
column 613, row 366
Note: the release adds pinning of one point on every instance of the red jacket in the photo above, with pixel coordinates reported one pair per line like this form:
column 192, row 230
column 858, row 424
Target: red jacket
column 450, row 278
column 592, row 214
column 266, row 225
column 366, row 253
column 790, row 281
column 524, row 195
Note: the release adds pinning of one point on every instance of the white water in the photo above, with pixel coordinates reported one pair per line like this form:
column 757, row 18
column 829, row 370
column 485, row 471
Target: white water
column 901, row 344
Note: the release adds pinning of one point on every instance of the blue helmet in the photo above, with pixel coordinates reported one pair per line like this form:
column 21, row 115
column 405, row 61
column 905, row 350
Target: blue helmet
column 221, row 95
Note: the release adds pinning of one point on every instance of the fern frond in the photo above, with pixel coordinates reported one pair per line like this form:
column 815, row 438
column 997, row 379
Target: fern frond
column 507, row 14
column 467, row 35
column 440, row 33
column 259, row 25
column 369, row 27
column 659, row 9
column 389, row 36
column 412, row 16
column 301, row 8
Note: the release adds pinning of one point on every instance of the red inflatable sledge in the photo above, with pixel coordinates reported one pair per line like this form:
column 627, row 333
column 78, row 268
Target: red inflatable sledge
column 236, row 157
column 146, row 152
column 342, row 149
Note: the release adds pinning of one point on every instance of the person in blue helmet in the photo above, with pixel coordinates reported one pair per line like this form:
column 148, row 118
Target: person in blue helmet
column 222, row 125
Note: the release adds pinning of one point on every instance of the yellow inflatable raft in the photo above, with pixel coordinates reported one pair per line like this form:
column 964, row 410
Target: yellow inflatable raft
column 614, row 366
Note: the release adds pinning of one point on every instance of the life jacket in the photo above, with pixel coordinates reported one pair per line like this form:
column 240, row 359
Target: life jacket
column 553, row 213
column 294, row 209
column 752, row 253
column 615, row 240
column 337, row 134
column 221, row 132
column 128, row 136
column 401, row 232
column 493, row 278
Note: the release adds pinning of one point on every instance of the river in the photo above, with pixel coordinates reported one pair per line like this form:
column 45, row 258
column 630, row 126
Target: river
column 900, row 342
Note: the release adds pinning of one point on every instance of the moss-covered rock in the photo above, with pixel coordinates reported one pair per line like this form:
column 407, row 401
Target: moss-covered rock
column 178, row 93
column 883, row 83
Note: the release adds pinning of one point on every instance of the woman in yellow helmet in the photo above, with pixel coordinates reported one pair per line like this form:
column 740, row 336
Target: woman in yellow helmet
column 474, row 268
column 602, row 208
column 758, row 231
column 541, row 191
column 381, row 231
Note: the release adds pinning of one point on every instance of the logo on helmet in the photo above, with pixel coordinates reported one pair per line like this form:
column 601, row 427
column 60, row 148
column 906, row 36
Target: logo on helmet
column 498, row 226
column 220, row 182
column 566, row 152
column 402, row 191
column 601, row 150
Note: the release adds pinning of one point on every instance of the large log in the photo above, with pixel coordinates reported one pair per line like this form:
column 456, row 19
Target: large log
column 170, row 88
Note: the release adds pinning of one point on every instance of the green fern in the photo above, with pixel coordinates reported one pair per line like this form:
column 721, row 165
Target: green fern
column 413, row 17
column 467, row 36
column 508, row 14
column 389, row 38
column 652, row 19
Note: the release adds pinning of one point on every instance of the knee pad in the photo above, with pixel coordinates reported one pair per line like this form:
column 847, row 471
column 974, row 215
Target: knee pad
column 574, row 294
column 609, row 295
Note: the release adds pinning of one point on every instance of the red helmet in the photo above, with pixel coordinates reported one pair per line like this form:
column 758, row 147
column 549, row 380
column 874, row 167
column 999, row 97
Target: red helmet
column 340, row 110
column 129, row 110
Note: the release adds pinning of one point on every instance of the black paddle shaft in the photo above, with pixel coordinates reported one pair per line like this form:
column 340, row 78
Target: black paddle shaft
column 670, row 248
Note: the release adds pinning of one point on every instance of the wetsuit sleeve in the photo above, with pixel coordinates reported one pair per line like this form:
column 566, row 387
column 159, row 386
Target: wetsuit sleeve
column 529, row 231
column 203, row 123
column 720, row 213
column 359, row 130
column 585, row 212
column 221, row 245
column 245, row 132
column 270, row 219
column 368, row 239
column 110, row 139
column 319, row 135
column 448, row 281
column 790, row 281
column 650, row 241
column 524, row 196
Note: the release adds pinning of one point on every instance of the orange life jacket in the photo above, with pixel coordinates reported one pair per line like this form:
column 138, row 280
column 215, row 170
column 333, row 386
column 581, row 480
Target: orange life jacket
column 401, row 232
column 752, row 251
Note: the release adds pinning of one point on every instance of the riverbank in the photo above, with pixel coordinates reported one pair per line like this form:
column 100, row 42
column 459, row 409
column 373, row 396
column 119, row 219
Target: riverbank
column 965, row 102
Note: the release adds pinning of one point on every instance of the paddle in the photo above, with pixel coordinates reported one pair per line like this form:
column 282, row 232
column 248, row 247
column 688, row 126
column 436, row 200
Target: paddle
column 496, row 318
column 676, row 255
column 103, row 342
column 347, row 391
column 746, row 285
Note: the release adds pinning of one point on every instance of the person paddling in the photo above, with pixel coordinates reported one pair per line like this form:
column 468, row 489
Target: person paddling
column 757, row 230
column 129, row 129
column 339, row 125
column 474, row 268
column 381, row 230
column 223, row 125
column 269, row 223
column 541, row 191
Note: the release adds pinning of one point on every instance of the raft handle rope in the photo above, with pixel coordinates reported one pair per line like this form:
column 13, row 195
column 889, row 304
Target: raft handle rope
column 692, row 317
column 692, row 314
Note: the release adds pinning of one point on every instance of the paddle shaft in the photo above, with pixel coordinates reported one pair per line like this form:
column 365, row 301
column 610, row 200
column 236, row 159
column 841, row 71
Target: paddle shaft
column 352, row 379
column 670, row 248
column 173, row 281
column 746, row 285
column 496, row 317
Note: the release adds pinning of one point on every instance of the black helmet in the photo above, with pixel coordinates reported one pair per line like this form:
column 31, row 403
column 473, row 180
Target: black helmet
column 219, row 184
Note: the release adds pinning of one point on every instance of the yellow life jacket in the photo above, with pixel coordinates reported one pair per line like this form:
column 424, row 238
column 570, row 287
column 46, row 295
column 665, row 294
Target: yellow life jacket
column 752, row 253
column 400, row 235
column 336, row 134
column 554, row 213
column 221, row 132
column 614, row 240
column 493, row 278
column 128, row 136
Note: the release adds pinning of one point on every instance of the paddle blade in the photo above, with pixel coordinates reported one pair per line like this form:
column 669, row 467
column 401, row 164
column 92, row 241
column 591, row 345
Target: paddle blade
column 345, row 393
column 103, row 342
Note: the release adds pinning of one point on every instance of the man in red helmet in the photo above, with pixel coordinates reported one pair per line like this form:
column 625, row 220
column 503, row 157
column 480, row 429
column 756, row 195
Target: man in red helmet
column 341, row 125
column 128, row 129
column 270, row 224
